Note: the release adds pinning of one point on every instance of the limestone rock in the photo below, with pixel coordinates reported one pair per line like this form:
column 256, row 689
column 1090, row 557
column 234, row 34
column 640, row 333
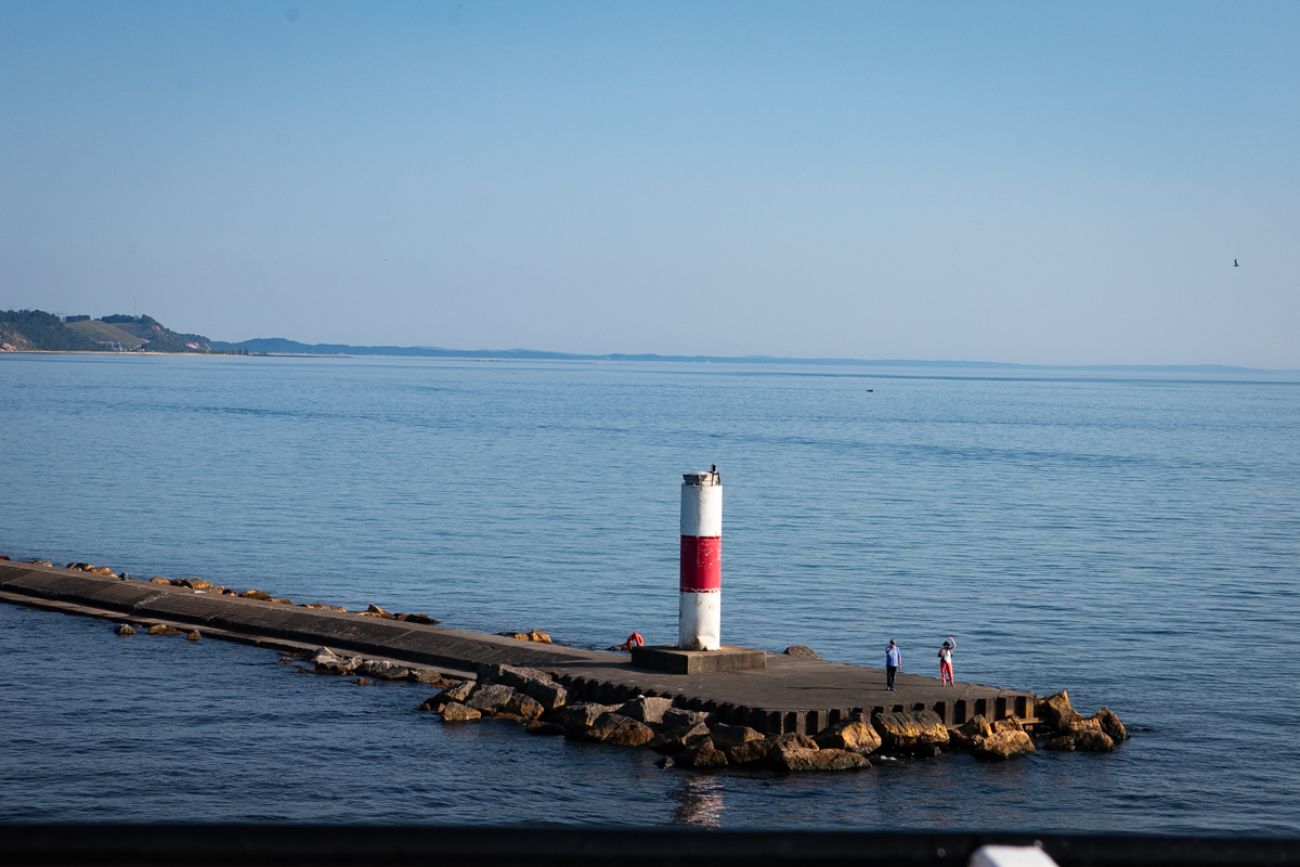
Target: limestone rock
column 46, row 563
column 1005, row 740
column 751, row 752
column 457, row 692
column 163, row 629
column 792, row 759
column 416, row 618
column 676, row 740
column 491, row 698
column 538, row 684
column 256, row 594
column 855, row 735
column 383, row 669
column 702, row 756
column 525, row 707
column 196, row 583
column 329, row 662
column 193, row 635
column 1056, row 711
column 376, row 611
column 1083, row 738
column 620, row 731
column 125, row 629
column 679, row 718
column 454, row 712
column 920, row 731
column 964, row 735
column 802, row 651
column 727, row 736
column 429, row 677
column 1111, row 725
column 580, row 716
column 649, row 710
column 364, row 681
column 158, row 579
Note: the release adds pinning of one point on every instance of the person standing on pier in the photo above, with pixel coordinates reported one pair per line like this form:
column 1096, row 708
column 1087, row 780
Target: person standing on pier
column 945, row 663
column 893, row 661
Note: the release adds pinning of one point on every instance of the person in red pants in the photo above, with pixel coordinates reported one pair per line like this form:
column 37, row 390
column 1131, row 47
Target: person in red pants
column 945, row 664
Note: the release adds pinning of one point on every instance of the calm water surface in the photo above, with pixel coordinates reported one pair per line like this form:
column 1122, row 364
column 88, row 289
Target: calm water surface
column 1135, row 540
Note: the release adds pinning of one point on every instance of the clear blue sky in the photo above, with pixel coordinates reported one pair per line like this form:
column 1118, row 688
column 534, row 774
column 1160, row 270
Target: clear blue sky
column 1030, row 182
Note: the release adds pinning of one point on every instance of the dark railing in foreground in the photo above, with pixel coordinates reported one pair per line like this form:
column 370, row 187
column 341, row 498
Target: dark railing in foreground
column 356, row 846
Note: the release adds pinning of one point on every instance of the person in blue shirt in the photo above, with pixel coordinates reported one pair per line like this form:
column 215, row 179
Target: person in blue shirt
column 893, row 661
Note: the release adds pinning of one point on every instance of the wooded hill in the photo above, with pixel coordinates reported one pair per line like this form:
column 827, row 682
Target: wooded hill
column 37, row 330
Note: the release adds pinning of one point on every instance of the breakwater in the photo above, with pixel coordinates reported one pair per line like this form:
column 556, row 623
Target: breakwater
column 796, row 713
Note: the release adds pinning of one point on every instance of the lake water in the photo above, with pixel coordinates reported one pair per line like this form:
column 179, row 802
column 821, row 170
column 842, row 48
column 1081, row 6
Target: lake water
column 1134, row 539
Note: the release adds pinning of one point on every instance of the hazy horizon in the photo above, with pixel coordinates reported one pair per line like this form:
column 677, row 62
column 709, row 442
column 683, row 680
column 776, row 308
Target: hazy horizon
column 1049, row 185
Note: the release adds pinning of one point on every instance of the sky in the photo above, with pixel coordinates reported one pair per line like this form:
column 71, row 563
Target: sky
column 1033, row 182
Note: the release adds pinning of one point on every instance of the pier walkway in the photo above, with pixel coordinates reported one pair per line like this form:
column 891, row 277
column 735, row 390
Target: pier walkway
column 791, row 695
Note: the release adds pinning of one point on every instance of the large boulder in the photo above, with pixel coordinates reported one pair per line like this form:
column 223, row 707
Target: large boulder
column 454, row 711
column 703, row 755
column 260, row 595
column 1005, row 740
column 756, row 751
column 679, row 718
column 196, row 583
column 676, row 740
column 383, row 669
column 646, row 709
column 525, row 707
column 163, row 629
column 918, row 731
column 538, row 684
column 329, row 662
column 727, row 736
column 789, row 759
column 491, row 698
column 1111, row 725
column 965, row 735
column 621, row 731
column 457, row 692
column 1056, row 711
column 855, row 735
column 802, row 651
column 416, row 618
column 579, row 717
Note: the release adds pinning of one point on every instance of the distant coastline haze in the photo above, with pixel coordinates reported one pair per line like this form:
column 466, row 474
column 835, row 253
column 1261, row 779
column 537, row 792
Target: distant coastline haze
column 1103, row 184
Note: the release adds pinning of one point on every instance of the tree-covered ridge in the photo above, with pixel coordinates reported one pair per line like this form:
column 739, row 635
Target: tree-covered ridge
column 36, row 330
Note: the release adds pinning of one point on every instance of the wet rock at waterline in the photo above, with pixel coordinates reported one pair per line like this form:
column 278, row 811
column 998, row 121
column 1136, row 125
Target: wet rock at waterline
column 802, row 651
column 620, row 731
column 455, row 712
column 855, row 735
column 918, row 732
column 125, row 629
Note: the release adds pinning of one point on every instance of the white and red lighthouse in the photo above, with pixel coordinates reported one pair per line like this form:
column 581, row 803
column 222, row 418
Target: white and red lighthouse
column 700, row 620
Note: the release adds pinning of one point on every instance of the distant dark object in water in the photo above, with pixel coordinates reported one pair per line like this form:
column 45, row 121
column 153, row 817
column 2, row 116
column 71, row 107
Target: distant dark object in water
column 1234, row 264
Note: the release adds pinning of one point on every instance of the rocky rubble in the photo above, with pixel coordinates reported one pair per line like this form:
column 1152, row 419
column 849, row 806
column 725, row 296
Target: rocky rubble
column 1068, row 730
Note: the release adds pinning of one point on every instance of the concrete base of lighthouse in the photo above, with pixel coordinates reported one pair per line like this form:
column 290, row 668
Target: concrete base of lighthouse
column 674, row 660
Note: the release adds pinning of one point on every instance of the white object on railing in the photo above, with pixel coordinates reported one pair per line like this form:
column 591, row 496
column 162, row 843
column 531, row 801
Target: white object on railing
column 1011, row 856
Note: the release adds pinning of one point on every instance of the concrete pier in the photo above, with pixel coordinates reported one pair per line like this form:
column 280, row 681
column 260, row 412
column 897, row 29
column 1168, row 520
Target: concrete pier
column 787, row 694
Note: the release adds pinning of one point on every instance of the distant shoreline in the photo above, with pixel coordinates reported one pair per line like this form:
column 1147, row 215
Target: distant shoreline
column 534, row 355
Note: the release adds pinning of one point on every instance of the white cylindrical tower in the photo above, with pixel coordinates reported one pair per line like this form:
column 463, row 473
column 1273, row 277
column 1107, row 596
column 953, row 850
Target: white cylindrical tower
column 700, row 621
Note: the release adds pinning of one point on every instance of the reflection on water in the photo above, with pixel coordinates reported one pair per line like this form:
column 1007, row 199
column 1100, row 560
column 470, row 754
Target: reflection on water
column 699, row 801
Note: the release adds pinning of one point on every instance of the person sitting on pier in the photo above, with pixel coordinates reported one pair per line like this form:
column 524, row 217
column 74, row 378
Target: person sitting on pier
column 893, row 661
column 945, row 664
